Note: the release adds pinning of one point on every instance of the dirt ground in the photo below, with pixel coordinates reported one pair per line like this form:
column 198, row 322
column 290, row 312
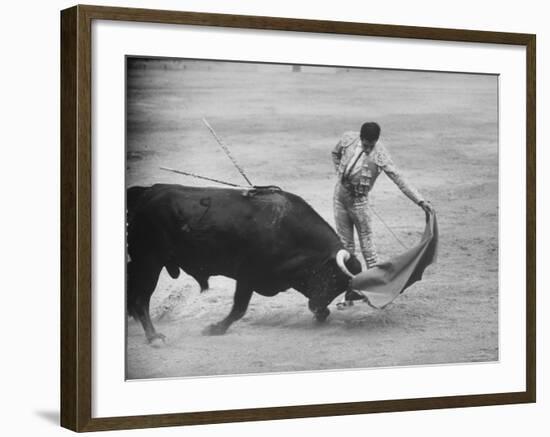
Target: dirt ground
column 441, row 130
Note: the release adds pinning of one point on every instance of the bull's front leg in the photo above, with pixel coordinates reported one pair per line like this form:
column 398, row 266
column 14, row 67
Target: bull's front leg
column 320, row 312
column 241, row 299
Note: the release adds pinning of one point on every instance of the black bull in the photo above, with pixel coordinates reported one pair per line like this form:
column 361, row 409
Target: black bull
column 267, row 240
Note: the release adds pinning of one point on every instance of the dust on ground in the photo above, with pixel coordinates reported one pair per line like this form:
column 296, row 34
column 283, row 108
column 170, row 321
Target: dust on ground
column 441, row 130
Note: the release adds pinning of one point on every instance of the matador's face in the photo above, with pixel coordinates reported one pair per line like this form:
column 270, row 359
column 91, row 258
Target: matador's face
column 368, row 145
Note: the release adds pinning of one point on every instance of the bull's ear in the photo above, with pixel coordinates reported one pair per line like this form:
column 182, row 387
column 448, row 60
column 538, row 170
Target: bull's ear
column 353, row 265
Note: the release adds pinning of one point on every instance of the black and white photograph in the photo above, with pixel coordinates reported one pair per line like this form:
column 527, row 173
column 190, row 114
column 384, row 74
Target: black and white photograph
column 287, row 218
column 269, row 219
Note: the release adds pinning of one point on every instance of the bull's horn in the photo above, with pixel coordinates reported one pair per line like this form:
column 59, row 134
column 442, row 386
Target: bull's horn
column 341, row 257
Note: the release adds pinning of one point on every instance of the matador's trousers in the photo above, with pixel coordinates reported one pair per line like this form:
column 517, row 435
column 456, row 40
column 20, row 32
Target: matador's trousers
column 354, row 212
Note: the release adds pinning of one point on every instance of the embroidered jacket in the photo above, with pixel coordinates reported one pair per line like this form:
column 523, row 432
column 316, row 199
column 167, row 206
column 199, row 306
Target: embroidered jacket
column 358, row 171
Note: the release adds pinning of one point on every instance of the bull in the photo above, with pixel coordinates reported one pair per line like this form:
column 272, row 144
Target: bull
column 268, row 240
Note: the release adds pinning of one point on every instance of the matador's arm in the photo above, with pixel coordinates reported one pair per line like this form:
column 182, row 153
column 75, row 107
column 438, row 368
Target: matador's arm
column 383, row 159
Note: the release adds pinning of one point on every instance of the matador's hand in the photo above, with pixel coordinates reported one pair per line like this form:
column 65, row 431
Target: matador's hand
column 426, row 206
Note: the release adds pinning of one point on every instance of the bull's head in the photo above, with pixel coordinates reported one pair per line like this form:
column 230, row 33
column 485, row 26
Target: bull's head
column 332, row 280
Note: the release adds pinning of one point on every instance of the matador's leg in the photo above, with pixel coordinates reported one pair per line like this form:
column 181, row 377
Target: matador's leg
column 344, row 228
column 344, row 223
column 362, row 219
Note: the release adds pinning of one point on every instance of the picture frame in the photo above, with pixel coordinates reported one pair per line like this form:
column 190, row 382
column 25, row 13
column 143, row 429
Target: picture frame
column 77, row 242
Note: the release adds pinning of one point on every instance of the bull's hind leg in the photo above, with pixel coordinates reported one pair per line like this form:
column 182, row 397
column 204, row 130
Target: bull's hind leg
column 243, row 293
column 142, row 280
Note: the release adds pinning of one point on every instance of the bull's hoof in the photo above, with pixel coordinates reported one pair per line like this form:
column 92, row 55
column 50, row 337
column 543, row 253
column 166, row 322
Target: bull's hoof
column 156, row 338
column 321, row 315
column 215, row 329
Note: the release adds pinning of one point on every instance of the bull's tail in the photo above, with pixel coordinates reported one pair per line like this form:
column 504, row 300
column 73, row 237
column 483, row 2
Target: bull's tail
column 134, row 196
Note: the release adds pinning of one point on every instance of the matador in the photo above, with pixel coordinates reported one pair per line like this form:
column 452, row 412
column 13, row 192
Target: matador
column 358, row 159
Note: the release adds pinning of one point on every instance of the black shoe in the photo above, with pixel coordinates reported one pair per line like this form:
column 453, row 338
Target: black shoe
column 352, row 295
column 344, row 305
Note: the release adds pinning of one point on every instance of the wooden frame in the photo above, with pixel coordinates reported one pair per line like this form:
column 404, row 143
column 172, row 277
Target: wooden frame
column 76, row 244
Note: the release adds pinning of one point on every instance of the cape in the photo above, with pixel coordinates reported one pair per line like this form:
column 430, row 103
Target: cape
column 384, row 282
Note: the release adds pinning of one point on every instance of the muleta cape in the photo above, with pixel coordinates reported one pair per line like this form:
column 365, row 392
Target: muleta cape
column 384, row 282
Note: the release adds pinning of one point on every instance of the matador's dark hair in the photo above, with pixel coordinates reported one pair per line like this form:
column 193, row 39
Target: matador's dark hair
column 370, row 131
